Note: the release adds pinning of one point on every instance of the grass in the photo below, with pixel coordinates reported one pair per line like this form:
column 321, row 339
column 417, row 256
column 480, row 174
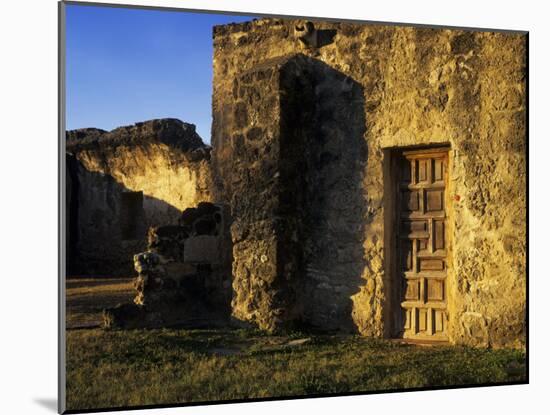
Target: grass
column 143, row 367
column 169, row 366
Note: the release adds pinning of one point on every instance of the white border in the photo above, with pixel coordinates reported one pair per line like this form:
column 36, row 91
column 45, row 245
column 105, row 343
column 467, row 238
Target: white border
column 28, row 170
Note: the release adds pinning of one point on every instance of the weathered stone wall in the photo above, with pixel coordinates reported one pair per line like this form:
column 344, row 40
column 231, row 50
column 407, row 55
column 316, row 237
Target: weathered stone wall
column 95, row 244
column 417, row 87
column 164, row 159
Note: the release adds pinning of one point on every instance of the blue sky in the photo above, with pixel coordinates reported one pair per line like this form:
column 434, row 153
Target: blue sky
column 130, row 65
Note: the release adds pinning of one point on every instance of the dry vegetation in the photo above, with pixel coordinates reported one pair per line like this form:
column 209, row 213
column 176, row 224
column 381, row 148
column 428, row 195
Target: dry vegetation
column 167, row 366
column 87, row 297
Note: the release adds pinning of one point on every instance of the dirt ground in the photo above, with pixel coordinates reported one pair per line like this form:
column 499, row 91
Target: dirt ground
column 87, row 297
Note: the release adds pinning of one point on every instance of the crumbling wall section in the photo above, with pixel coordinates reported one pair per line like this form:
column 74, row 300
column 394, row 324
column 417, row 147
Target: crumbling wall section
column 183, row 277
column 163, row 161
column 95, row 244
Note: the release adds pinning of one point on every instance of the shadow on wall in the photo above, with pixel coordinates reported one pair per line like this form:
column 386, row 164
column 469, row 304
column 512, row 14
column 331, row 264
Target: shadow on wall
column 107, row 223
column 327, row 130
column 335, row 200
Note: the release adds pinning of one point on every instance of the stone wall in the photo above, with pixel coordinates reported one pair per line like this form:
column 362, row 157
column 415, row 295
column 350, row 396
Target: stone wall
column 95, row 243
column 380, row 87
column 128, row 180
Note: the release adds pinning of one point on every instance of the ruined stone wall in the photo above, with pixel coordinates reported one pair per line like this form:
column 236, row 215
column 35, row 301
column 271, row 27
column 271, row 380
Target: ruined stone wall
column 418, row 87
column 184, row 277
column 95, row 238
column 164, row 159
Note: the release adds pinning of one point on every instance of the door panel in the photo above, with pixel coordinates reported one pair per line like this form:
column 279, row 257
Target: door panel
column 421, row 244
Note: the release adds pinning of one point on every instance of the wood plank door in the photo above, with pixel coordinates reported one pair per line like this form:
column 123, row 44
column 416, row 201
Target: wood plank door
column 422, row 244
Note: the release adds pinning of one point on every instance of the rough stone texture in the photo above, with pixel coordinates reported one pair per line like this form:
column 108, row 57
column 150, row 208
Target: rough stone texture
column 96, row 245
column 164, row 159
column 263, row 188
column 171, row 290
column 407, row 87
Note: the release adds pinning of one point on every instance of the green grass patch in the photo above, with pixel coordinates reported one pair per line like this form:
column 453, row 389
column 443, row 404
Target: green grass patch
column 169, row 366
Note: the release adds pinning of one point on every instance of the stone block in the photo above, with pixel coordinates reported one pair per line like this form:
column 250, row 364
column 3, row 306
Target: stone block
column 180, row 269
column 202, row 249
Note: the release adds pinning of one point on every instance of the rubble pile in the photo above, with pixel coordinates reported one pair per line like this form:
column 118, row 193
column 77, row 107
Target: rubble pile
column 182, row 278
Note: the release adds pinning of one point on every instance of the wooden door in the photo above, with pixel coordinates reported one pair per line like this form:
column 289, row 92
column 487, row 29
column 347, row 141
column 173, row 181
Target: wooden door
column 422, row 244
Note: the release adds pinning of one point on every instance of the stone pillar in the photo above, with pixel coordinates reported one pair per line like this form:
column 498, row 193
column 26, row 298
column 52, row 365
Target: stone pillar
column 260, row 170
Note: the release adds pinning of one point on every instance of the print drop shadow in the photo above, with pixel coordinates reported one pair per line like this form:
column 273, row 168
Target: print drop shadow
column 48, row 403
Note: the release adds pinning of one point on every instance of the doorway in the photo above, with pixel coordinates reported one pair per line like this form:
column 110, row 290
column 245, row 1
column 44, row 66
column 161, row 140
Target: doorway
column 420, row 243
